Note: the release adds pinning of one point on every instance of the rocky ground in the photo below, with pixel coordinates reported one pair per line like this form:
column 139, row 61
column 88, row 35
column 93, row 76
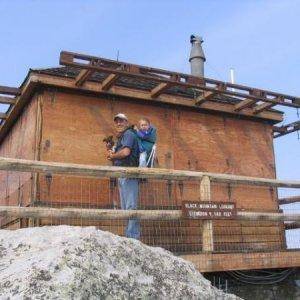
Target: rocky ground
column 65, row 262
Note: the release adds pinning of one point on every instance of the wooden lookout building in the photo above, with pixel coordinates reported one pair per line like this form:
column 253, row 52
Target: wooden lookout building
column 63, row 114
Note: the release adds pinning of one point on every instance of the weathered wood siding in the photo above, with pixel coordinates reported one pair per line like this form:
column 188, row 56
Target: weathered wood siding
column 75, row 125
column 16, row 188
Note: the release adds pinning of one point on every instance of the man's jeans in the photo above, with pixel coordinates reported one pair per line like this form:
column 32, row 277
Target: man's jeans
column 129, row 193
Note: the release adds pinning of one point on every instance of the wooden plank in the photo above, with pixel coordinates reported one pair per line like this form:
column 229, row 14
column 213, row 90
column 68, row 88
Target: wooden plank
column 207, row 227
column 288, row 200
column 183, row 229
column 291, row 225
column 3, row 116
column 113, row 214
column 12, row 224
column 218, row 262
column 248, row 238
column 207, row 95
column 264, row 106
column 161, row 239
column 114, row 226
column 7, row 100
column 178, row 224
column 109, row 81
column 286, row 129
column 88, row 214
column 85, row 222
column 178, row 248
column 244, row 104
column 10, row 90
column 171, row 230
column 83, row 76
column 22, row 165
column 260, row 216
column 246, row 224
column 159, row 89
column 255, row 229
column 261, row 107
column 248, row 247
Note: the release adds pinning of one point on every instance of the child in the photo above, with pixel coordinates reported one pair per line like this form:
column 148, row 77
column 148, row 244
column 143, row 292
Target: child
column 146, row 138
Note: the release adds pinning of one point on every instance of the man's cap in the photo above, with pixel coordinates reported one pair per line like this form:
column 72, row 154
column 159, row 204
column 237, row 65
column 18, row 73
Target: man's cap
column 120, row 116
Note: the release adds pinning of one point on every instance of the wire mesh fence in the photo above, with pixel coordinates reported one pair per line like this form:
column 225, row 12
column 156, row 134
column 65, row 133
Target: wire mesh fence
column 179, row 235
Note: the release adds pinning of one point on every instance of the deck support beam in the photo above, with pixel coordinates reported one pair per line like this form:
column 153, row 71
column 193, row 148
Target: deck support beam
column 218, row 262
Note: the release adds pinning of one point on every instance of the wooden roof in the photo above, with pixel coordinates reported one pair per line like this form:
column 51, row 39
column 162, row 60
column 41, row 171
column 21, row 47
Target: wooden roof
column 101, row 76
column 133, row 83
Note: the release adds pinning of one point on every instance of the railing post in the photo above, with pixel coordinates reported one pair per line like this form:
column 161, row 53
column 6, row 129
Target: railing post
column 207, row 230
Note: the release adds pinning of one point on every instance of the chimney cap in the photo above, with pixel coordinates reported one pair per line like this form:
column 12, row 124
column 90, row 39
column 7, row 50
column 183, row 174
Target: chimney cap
column 196, row 38
column 196, row 51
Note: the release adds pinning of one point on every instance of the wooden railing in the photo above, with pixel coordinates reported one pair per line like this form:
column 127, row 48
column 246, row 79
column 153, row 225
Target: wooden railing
column 21, row 165
column 205, row 179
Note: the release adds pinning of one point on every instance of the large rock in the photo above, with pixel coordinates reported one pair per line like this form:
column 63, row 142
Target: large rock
column 64, row 262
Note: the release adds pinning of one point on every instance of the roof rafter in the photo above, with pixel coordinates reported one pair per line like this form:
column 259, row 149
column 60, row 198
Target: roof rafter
column 159, row 89
column 7, row 100
column 261, row 107
column 264, row 106
column 109, row 81
column 183, row 80
column 207, row 95
column 6, row 90
column 245, row 104
column 3, row 116
column 83, row 76
column 286, row 129
column 288, row 200
column 249, row 102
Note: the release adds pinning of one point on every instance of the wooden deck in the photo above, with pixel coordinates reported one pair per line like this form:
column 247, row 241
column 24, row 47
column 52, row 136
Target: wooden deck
column 218, row 262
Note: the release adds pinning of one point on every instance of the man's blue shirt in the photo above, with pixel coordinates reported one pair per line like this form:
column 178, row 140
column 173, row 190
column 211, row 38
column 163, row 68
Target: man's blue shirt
column 129, row 140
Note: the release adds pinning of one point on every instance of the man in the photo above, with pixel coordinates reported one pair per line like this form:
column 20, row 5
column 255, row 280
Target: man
column 126, row 154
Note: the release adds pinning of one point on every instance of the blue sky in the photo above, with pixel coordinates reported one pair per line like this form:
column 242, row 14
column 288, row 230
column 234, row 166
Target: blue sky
column 259, row 39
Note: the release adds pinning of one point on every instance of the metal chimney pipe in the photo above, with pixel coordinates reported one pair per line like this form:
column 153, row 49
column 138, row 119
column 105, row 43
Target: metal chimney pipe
column 197, row 57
